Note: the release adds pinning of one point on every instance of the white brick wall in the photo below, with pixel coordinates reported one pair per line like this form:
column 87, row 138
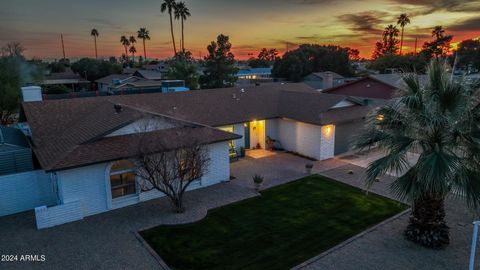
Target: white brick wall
column 86, row 184
column 300, row 137
column 327, row 142
column 25, row 191
column 51, row 216
column 306, row 139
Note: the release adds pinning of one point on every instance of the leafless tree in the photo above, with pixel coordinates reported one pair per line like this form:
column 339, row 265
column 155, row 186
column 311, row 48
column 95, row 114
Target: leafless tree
column 170, row 172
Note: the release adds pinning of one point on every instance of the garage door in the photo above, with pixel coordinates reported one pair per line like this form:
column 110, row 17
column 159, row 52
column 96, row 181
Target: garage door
column 344, row 134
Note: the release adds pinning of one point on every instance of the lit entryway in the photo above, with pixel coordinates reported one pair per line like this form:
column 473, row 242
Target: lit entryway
column 257, row 134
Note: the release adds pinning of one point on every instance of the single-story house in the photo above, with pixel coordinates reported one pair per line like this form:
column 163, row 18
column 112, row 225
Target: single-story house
column 86, row 145
column 369, row 88
column 135, row 84
column 323, row 80
column 67, row 78
column 148, row 74
column 249, row 75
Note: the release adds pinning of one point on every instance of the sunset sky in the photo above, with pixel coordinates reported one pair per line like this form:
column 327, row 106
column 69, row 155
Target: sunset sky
column 251, row 24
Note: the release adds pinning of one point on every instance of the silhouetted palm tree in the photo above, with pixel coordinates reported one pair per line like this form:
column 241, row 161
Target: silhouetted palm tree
column 402, row 20
column 182, row 12
column 125, row 42
column 132, row 40
column 438, row 32
column 390, row 35
column 143, row 34
column 94, row 34
column 438, row 119
column 133, row 50
column 169, row 6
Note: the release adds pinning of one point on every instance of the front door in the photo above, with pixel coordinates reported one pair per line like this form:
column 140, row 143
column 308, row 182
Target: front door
column 247, row 136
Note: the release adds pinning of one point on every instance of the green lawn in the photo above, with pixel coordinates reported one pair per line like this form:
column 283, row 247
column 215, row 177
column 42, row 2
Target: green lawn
column 285, row 226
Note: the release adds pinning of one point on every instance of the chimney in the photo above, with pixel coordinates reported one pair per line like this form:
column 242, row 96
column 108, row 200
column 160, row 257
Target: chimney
column 328, row 80
column 32, row 93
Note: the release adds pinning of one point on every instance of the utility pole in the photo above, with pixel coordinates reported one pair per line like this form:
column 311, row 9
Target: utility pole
column 416, row 46
column 63, row 47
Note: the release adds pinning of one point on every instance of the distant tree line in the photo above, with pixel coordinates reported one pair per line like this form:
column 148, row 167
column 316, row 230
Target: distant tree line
column 308, row 58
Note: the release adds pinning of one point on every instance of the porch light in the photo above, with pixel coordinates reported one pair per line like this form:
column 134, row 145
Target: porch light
column 328, row 130
column 245, row 124
column 380, row 117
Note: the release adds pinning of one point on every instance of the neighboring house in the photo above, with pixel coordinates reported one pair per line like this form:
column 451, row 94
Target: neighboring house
column 87, row 145
column 67, row 78
column 15, row 152
column 148, row 74
column 254, row 75
column 134, row 84
column 323, row 80
column 366, row 88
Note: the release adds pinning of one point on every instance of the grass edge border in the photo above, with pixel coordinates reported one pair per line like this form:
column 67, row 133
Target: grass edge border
column 351, row 239
column 152, row 252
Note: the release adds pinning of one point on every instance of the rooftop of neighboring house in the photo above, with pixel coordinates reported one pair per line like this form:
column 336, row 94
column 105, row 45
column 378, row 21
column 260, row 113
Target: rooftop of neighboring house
column 110, row 78
column 70, row 133
column 368, row 87
column 323, row 75
column 148, row 74
column 254, row 71
column 396, row 79
column 67, row 77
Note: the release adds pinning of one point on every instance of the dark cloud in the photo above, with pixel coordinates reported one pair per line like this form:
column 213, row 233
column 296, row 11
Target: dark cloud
column 368, row 22
column 472, row 24
column 431, row 6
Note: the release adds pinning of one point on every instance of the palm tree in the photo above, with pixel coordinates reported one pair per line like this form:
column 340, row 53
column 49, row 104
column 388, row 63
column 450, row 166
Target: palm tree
column 390, row 35
column 132, row 40
column 402, row 20
column 94, row 34
column 143, row 34
column 133, row 50
column 169, row 6
column 440, row 120
column 125, row 42
column 182, row 12
column 438, row 32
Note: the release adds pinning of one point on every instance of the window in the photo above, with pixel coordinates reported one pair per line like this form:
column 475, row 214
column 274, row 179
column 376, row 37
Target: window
column 122, row 179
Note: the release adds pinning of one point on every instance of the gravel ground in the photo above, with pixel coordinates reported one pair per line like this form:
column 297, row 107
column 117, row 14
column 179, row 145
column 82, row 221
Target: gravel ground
column 384, row 246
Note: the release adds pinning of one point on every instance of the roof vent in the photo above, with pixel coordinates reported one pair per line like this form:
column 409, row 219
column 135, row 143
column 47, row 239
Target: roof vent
column 242, row 90
column 368, row 85
column 174, row 107
column 118, row 108
column 257, row 84
column 234, row 96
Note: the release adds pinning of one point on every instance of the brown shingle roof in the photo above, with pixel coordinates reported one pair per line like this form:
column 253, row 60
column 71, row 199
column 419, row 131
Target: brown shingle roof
column 367, row 87
column 68, row 133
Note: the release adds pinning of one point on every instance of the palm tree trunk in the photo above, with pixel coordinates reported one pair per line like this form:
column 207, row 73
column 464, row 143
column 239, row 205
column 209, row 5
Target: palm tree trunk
column 173, row 37
column 95, row 39
column 183, row 39
column 144, row 52
column 401, row 42
column 427, row 225
column 126, row 52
